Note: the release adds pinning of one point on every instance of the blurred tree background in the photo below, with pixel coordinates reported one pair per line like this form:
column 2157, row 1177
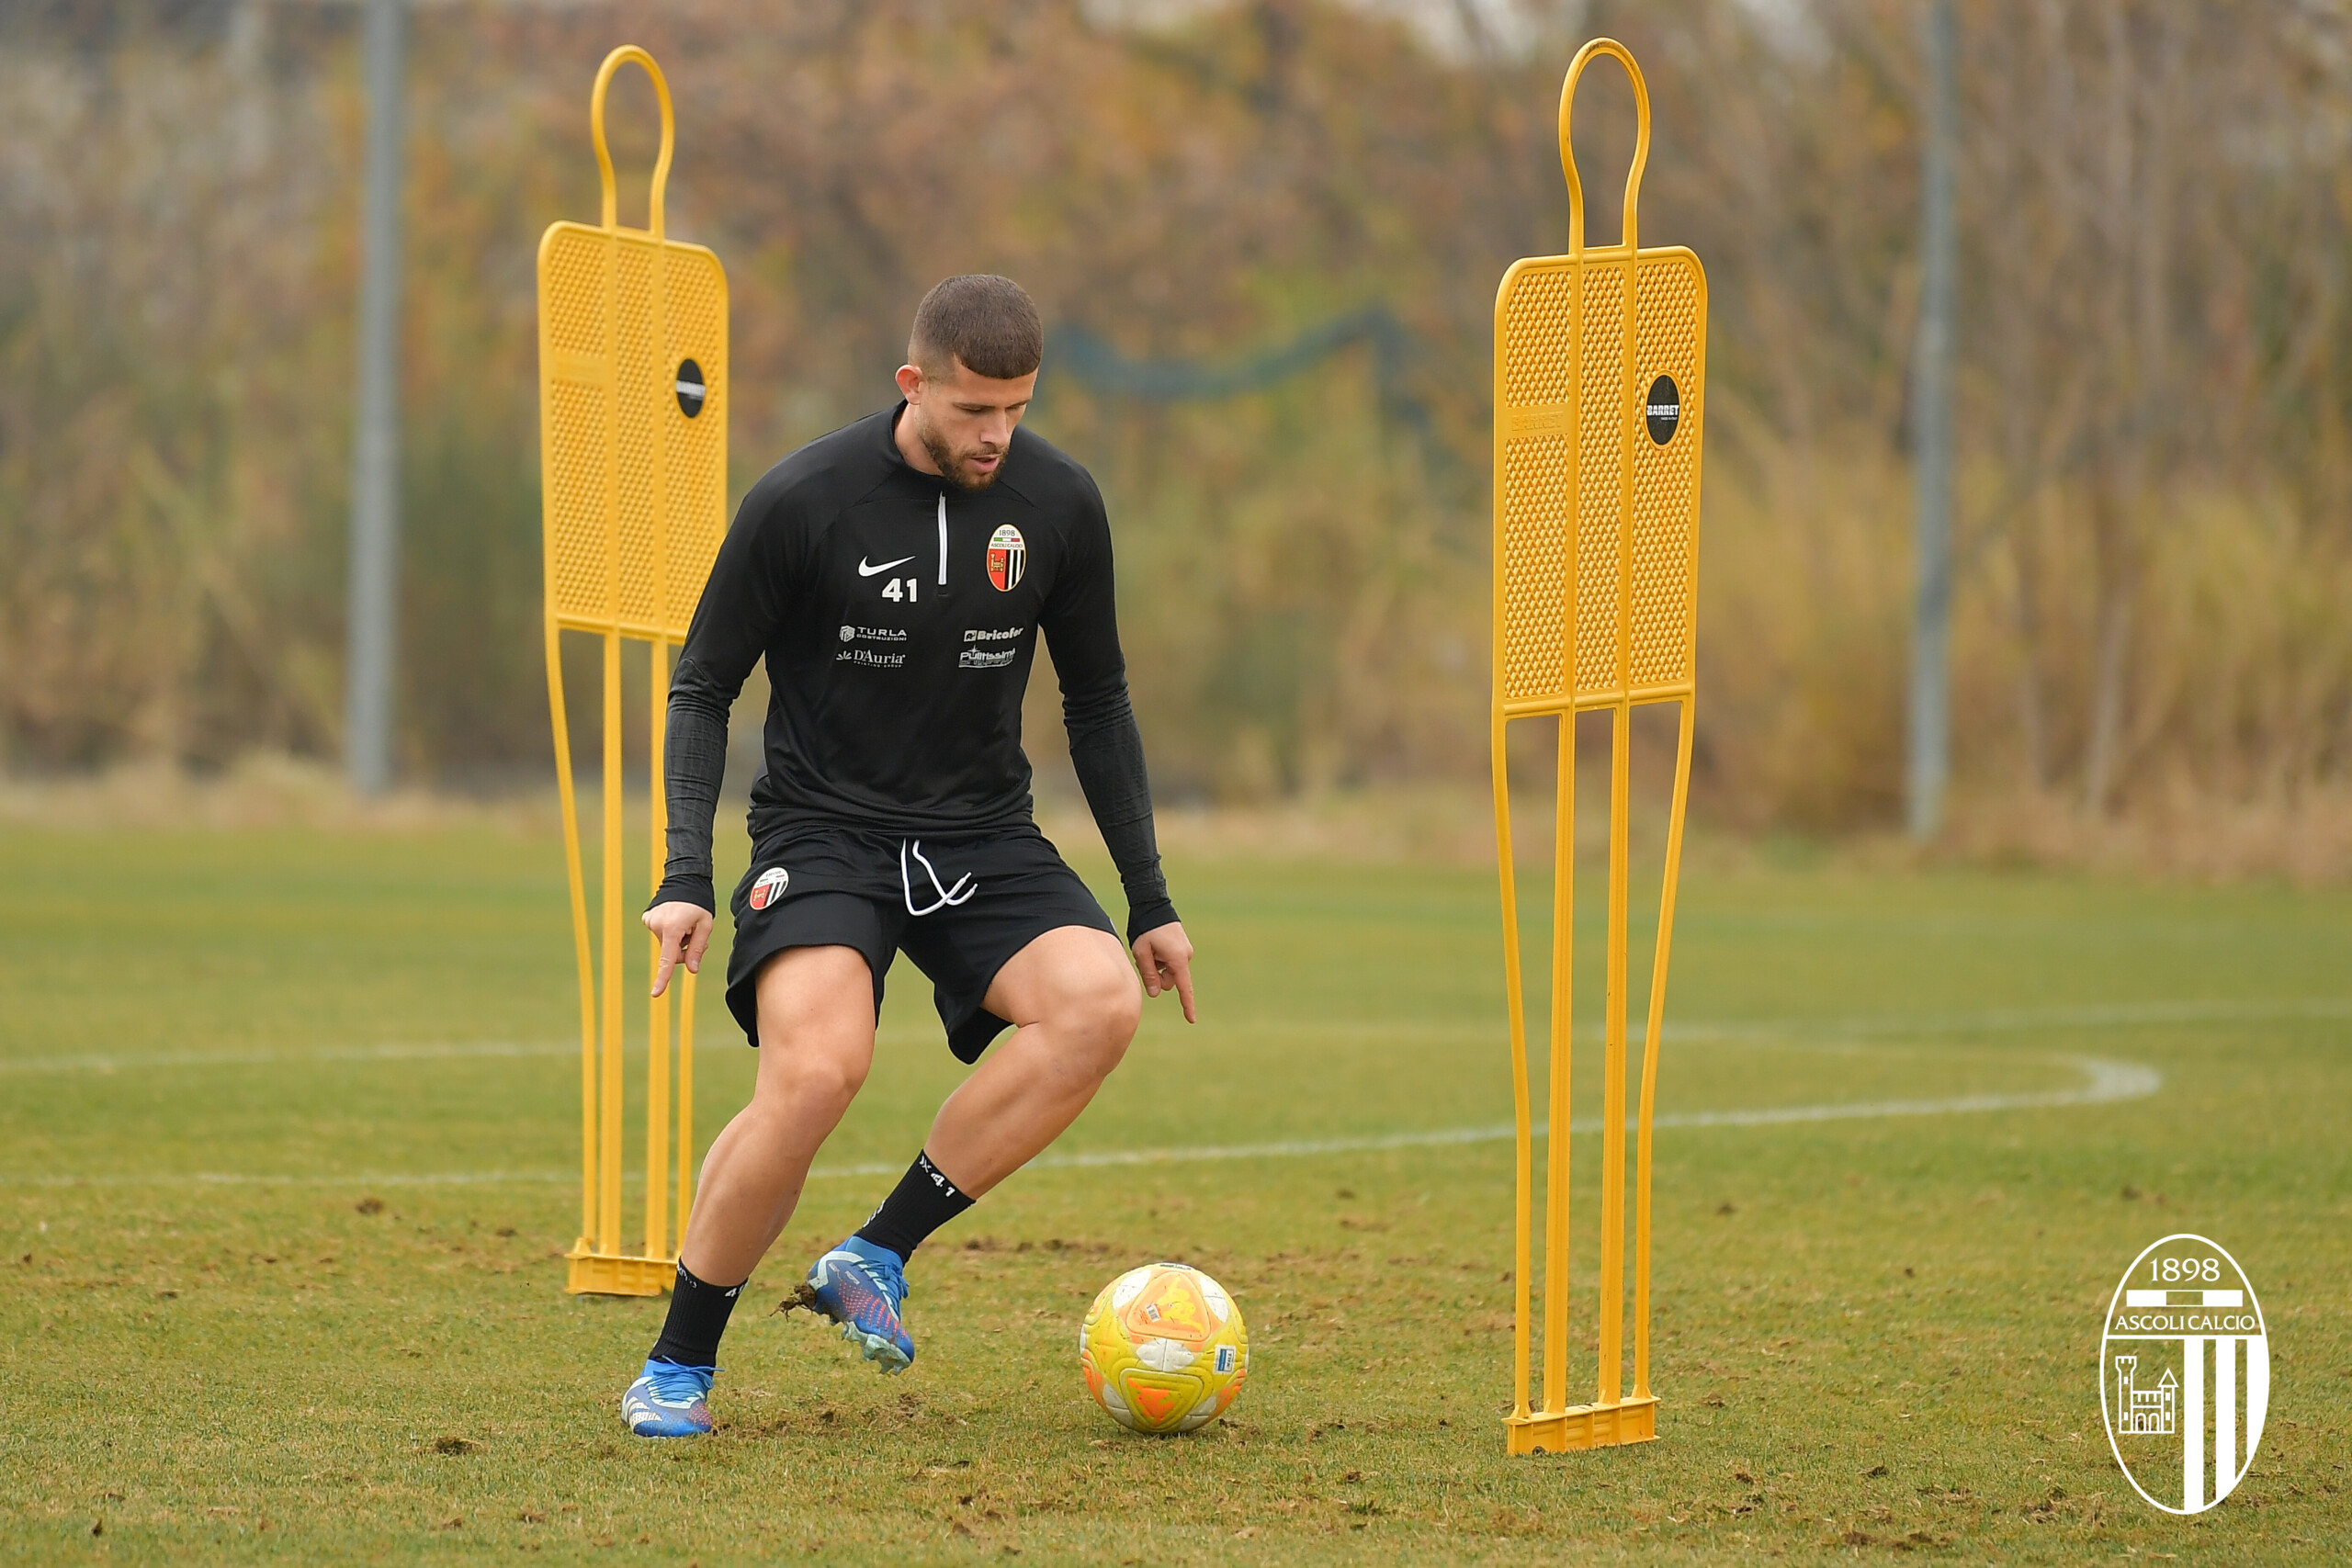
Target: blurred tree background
column 2154, row 534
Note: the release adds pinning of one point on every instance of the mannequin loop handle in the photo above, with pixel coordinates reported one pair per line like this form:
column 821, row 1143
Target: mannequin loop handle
column 1585, row 56
column 613, row 62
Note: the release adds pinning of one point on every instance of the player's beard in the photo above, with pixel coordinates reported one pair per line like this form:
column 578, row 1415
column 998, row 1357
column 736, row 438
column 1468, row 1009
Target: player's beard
column 952, row 465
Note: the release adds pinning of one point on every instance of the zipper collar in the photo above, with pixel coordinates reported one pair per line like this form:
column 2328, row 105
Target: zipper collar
column 938, row 481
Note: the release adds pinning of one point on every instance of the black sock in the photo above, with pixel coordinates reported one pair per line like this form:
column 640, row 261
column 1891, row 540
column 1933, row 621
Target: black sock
column 921, row 1202
column 697, row 1317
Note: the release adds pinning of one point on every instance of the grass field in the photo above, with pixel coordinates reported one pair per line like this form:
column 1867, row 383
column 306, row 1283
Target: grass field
column 287, row 1158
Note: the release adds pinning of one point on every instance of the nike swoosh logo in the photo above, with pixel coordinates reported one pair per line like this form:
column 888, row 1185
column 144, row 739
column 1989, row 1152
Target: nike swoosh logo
column 865, row 571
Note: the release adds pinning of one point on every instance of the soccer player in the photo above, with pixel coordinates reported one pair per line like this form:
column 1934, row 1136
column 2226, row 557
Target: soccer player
column 895, row 575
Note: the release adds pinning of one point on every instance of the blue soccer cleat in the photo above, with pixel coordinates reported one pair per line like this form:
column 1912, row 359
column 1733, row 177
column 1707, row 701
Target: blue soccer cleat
column 859, row 1286
column 668, row 1401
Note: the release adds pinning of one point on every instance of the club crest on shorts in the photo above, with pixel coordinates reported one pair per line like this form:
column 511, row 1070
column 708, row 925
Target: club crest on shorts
column 770, row 886
column 1008, row 557
column 2184, row 1373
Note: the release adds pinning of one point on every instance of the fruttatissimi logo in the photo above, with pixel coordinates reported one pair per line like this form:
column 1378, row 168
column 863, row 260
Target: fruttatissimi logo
column 2184, row 1373
column 769, row 887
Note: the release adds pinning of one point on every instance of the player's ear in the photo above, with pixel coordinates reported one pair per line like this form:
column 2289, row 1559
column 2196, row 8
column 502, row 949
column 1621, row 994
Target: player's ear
column 910, row 382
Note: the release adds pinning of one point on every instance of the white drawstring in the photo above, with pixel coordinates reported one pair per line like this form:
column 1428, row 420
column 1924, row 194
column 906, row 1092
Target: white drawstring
column 948, row 897
column 943, row 538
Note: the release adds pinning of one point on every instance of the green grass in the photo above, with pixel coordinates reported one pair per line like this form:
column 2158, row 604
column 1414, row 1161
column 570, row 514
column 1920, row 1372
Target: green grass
column 1872, row 1334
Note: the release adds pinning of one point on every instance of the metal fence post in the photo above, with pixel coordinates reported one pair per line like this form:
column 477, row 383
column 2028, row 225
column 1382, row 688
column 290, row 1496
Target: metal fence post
column 1931, row 438
column 376, row 443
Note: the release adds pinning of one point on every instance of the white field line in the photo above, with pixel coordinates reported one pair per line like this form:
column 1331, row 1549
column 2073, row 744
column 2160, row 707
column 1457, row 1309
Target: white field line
column 2104, row 1082
column 1790, row 1031
column 1882, row 1026
column 109, row 1063
column 2007, row 1020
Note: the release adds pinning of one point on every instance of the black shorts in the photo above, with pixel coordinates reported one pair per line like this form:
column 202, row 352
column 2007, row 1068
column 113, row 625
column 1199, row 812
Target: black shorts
column 959, row 904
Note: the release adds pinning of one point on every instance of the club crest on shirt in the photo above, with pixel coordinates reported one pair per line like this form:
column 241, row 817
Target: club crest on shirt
column 770, row 886
column 1008, row 557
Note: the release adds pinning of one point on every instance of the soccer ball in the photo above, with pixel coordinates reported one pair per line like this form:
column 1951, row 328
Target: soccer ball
column 1163, row 1349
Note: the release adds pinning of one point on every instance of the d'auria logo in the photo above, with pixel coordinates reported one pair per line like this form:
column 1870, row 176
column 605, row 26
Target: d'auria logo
column 769, row 887
column 2184, row 1373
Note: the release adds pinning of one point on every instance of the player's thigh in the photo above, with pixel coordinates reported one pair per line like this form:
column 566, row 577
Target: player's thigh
column 815, row 1015
column 1075, row 974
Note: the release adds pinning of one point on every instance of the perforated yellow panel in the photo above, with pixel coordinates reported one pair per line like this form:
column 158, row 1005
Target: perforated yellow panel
column 1535, row 566
column 1538, row 352
column 1600, row 495
column 1563, row 496
column 1671, row 299
column 623, row 464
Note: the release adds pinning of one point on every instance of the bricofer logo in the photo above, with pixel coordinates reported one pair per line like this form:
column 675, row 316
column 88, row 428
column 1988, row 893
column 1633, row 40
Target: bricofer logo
column 2184, row 1373
column 769, row 887
column 1008, row 557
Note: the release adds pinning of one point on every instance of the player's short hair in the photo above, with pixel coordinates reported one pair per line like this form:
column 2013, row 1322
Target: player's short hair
column 988, row 322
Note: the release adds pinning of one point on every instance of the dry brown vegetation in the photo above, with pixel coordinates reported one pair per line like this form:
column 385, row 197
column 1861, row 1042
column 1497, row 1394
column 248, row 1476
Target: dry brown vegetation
column 2157, row 472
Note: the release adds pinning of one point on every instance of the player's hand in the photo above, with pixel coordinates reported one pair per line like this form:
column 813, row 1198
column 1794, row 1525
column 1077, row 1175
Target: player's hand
column 1165, row 955
column 684, row 930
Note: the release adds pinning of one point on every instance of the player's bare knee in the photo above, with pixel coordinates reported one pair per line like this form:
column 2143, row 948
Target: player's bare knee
column 804, row 1074
column 1100, row 1011
column 1122, row 1011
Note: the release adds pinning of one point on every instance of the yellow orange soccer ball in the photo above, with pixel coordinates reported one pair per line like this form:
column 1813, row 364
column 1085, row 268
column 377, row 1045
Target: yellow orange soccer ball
column 1163, row 1349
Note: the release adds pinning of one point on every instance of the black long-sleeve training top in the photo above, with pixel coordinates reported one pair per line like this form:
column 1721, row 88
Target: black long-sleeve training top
column 899, row 616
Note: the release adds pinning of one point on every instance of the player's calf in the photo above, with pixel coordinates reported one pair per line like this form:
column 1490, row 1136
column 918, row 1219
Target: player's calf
column 1077, row 1002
